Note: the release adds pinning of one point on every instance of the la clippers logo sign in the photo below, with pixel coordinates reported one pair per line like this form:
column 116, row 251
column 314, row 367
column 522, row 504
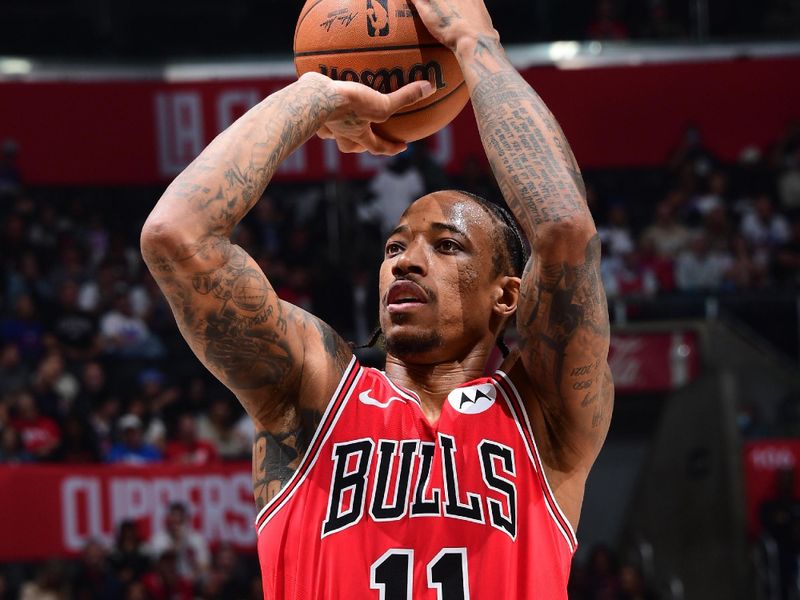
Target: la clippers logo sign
column 378, row 18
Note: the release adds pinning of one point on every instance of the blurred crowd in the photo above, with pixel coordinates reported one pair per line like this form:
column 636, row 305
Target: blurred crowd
column 93, row 370
column 174, row 563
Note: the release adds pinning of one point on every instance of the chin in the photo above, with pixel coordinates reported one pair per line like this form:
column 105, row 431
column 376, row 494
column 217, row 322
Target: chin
column 408, row 344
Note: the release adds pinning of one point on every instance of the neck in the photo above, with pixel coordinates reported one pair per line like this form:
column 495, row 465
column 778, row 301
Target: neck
column 432, row 382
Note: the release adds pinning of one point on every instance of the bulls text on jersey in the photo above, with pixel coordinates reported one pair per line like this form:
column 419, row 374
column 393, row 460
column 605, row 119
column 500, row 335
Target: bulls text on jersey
column 356, row 489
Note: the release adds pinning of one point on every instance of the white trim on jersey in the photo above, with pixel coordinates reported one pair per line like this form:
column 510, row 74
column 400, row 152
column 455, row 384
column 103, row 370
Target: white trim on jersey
column 301, row 468
column 410, row 395
column 569, row 535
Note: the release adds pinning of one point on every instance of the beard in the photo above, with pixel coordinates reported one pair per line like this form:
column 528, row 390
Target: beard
column 406, row 345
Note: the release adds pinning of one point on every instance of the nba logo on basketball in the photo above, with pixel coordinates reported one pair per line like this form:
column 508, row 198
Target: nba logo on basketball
column 378, row 18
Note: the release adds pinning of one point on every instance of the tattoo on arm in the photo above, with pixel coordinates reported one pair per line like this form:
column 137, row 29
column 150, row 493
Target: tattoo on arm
column 564, row 325
column 277, row 454
column 529, row 154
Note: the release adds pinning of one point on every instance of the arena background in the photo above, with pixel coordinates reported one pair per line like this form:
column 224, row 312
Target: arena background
column 685, row 116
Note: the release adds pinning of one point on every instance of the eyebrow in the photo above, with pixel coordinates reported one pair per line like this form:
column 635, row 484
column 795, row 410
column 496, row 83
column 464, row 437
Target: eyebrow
column 450, row 228
column 435, row 226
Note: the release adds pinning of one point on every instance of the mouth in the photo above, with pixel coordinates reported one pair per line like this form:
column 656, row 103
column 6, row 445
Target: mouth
column 405, row 295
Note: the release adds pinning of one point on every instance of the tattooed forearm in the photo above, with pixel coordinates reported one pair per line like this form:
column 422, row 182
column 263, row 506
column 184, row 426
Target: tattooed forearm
column 527, row 150
column 224, row 182
column 277, row 453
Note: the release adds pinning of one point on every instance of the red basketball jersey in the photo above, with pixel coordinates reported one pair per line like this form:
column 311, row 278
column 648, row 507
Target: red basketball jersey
column 387, row 506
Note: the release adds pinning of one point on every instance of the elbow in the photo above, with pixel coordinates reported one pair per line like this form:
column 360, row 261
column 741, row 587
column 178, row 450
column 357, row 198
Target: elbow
column 570, row 233
column 158, row 241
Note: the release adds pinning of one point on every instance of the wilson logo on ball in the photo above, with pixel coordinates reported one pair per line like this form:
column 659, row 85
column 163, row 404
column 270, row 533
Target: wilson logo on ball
column 388, row 80
column 378, row 18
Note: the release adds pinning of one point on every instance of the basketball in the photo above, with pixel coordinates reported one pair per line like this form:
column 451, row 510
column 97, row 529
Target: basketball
column 382, row 44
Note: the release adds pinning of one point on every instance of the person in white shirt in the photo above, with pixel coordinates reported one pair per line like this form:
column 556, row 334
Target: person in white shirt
column 189, row 546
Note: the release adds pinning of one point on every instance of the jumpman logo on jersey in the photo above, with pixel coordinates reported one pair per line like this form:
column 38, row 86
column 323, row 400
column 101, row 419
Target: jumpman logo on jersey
column 365, row 398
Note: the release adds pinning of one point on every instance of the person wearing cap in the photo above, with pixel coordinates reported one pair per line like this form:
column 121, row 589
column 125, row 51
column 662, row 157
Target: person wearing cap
column 130, row 447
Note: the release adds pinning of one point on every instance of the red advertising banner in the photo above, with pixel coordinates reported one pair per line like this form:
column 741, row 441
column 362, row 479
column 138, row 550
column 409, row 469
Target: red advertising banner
column 53, row 510
column 145, row 131
column 653, row 362
column 762, row 462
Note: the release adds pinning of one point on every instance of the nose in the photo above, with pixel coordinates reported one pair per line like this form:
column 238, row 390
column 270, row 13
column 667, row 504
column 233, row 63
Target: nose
column 411, row 260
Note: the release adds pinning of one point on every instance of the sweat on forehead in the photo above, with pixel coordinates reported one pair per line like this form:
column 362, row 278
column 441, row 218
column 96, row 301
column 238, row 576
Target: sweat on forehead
column 452, row 205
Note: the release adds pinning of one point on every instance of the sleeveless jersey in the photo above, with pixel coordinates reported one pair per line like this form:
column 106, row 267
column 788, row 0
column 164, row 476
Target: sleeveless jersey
column 388, row 506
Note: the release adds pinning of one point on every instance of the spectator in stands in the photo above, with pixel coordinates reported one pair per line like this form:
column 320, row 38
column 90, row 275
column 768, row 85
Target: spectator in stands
column 26, row 278
column 50, row 583
column 128, row 557
column 745, row 273
column 164, row 582
column 392, row 190
column 187, row 448
column 131, row 448
column 718, row 229
column 630, row 276
column 615, row 235
column 75, row 330
column 217, row 427
column 765, row 230
column 715, row 197
column 14, row 373
column 700, row 269
column 78, row 442
column 787, row 258
column 691, row 159
column 606, row 25
column 780, row 520
column 11, row 449
column 227, row 578
column 192, row 558
column 53, row 386
column 94, row 577
column 104, row 413
column 667, row 236
column 40, row 434
column 126, row 335
column 24, row 328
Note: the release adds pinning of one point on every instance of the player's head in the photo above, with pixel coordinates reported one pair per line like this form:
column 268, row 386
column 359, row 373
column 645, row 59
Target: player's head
column 450, row 277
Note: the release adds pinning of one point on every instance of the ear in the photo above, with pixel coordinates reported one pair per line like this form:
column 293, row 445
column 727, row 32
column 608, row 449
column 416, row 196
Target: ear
column 506, row 296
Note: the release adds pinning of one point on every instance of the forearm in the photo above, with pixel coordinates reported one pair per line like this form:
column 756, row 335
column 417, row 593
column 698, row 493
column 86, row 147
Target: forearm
column 529, row 154
column 223, row 183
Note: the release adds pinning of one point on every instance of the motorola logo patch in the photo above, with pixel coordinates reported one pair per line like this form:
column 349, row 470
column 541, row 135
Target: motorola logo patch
column 474, row 399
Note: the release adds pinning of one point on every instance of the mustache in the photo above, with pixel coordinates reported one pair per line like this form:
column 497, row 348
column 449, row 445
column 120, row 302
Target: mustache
column 431, row 295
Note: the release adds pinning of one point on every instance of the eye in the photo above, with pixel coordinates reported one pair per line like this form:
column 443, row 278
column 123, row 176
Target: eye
column 448, row 246
column 393, row 249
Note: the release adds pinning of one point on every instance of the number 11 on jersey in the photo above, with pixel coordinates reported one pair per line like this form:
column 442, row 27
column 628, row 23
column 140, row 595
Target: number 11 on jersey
column 392, row 574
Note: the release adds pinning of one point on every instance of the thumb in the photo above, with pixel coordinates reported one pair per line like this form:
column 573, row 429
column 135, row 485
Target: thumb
column 409, row 94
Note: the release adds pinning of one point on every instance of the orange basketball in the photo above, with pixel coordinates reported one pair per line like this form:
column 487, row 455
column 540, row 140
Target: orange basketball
column 383, row 44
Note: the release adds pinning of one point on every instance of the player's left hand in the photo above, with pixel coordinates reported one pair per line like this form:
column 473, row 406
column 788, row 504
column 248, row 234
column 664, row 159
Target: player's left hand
column 351, row 124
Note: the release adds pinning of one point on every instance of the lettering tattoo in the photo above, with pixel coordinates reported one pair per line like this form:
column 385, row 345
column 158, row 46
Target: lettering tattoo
column 562, row 314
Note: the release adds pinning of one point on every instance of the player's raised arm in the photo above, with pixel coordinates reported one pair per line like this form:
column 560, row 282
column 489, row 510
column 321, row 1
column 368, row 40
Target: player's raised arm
column 562, row 315
column 278, row 360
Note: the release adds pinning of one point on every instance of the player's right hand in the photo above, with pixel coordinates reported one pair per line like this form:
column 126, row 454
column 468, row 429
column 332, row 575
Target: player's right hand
column 451, row 21
column 360, row 106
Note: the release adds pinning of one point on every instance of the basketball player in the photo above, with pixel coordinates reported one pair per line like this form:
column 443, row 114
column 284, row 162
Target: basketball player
column 431, row 479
